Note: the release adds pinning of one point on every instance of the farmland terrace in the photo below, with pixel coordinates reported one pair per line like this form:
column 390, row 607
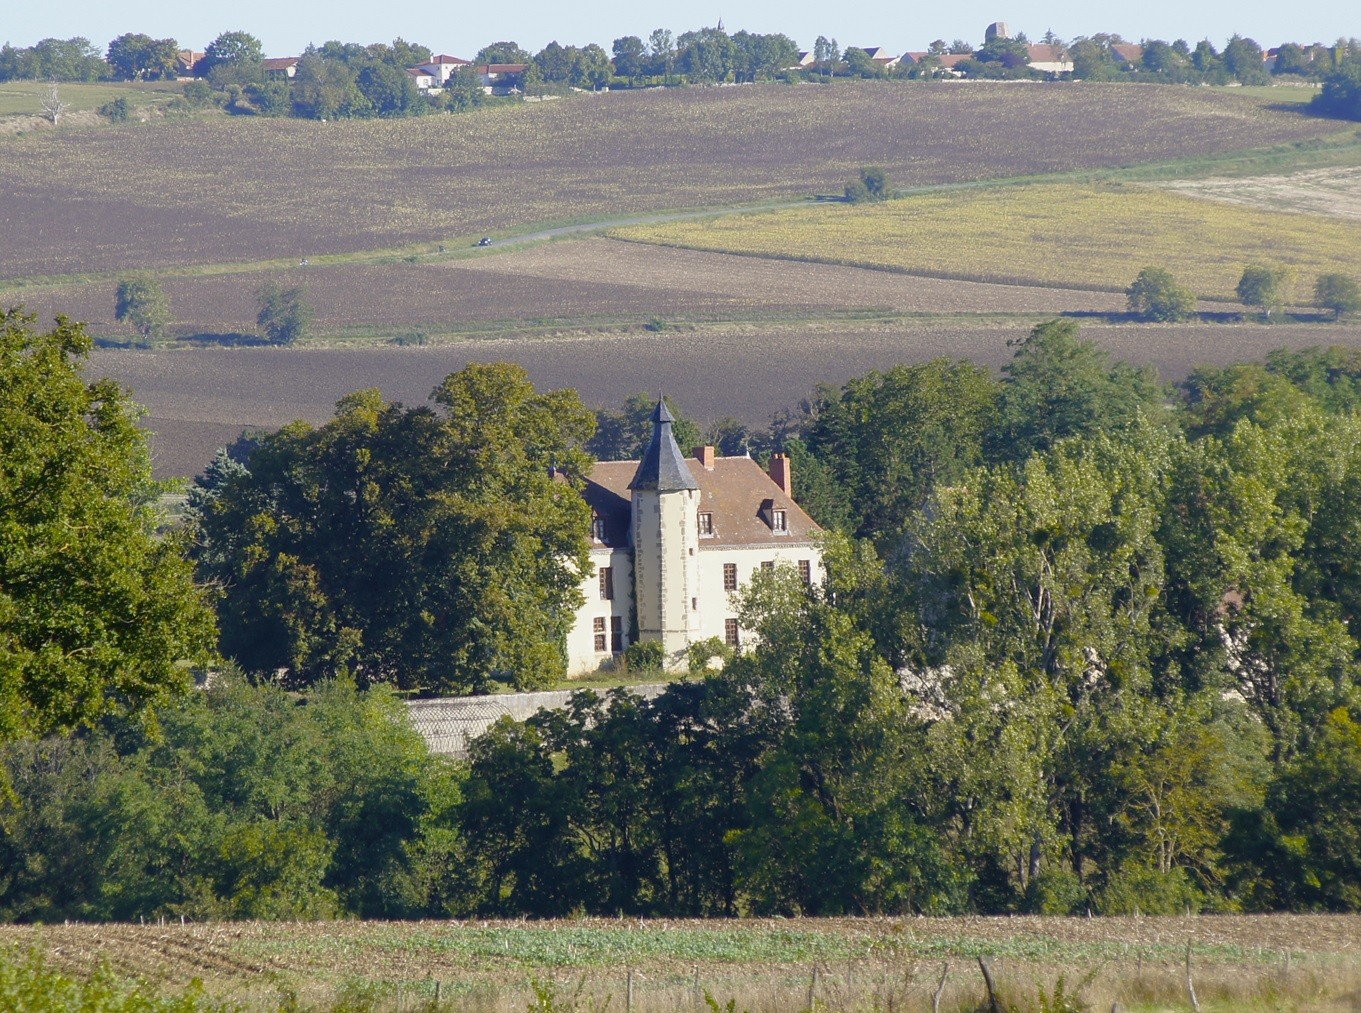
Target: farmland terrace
column 172, row 193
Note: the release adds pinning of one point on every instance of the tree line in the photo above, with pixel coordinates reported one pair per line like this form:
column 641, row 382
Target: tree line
column 352, row 80
column 1086, row 642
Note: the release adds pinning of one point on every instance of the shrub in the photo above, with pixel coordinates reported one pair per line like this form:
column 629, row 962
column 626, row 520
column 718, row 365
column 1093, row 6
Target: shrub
column 699, row 655
column 284, row 315
column 1338, row 293
column 1155, row 295
column 140, row 301
column 1264, row 287
column 116, row 111
column 872, row 184
column 645, row 656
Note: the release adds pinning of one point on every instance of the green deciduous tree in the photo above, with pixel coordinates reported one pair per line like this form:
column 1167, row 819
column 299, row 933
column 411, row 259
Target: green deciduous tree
column 140, row 301
column 502, row 52
column 232, row 58
column 624, row 435
column 1058, row 385
column 432, row 548
column 1339, row 293
column 1265, row 287
column 284, row 313
column 97, row 613
column 138, row 57
column 1155, row 295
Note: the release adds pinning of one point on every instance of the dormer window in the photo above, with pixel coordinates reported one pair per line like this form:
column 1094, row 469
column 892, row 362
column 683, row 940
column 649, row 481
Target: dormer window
column 598, row 528
column 706, row 525
column 779, row 521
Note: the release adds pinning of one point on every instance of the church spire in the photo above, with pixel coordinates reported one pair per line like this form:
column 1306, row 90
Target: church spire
column 663, row 466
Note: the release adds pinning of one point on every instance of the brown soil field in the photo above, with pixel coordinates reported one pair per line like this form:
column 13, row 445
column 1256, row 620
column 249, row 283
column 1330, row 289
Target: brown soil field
column 197, row 399
column 1284, row 962
column 209, row 190
column 593, row 280
column 1333, row 193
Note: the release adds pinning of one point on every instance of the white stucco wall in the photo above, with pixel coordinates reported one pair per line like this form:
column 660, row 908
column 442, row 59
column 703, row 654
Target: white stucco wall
column 582, row 657
column 716, row 604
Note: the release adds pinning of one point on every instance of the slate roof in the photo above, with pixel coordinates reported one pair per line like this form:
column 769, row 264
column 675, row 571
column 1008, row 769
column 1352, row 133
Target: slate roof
column 663, row 465
column 736, row 492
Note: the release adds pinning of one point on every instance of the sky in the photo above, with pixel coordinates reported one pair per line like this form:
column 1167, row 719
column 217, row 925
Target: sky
column 461, row 29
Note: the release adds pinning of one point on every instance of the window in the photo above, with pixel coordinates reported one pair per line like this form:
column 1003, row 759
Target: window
column 768, row 564
column 729, row 576
column 806, row 571
column 694, row 604
column 779, row 521
column 616, row 633
column 607, row 583
column 706, row 525
column 730, row 632
column 598, row 627
column 598, row 528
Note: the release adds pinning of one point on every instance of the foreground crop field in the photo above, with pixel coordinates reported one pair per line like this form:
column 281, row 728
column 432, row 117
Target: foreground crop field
column 199, row 399
column 594, row 282
column 1278, row 963
column 218, row 189
column 1050, row 234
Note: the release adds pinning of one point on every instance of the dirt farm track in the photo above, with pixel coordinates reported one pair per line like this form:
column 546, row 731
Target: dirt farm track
column 198, row 399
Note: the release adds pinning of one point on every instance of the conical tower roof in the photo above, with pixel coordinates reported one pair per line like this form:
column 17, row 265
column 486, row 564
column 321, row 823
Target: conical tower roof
column 663, row 466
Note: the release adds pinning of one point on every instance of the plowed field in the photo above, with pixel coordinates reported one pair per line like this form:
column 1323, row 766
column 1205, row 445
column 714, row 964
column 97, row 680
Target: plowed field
column 212, row 190
column 198, row 399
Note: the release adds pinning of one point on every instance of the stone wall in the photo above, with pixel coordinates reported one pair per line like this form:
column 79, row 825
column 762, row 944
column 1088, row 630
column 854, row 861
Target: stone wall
column 448, row 724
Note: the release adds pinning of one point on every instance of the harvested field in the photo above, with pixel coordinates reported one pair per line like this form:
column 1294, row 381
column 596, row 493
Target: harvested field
column 199, row 398
column 595, row 281
column 1285, row 962
column 209, row 190
column 1050, row 234
column 1333, row 193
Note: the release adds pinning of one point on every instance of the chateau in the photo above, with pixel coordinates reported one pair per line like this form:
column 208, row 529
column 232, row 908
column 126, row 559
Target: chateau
column 672, row 538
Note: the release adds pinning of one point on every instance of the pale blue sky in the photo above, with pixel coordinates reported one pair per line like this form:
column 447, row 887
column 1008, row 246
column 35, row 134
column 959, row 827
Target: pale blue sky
column 286, row 26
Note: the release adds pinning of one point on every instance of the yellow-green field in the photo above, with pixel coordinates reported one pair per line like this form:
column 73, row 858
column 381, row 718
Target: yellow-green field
column 1049, row 234
column 24, row 98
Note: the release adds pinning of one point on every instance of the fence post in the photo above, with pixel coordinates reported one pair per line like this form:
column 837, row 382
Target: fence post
column 1191, row 985
column 940, row 988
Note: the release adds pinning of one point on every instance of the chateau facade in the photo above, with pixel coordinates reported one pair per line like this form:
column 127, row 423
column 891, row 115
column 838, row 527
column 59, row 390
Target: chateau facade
column 672, row 538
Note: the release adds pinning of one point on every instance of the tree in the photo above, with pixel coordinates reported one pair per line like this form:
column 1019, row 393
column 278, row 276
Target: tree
column 1243, row 59
column 431, row 548
column 1265, row 287
column 859, row 64
column 661, row 50
column 232, row 58
column 284, row 314
column 96, row 611
column 826, row 55
column 502, row 52
column 140, row 301
column 1058, row 385
column 1155, row 295
column 628, row 57
column 1339, row 293
column 624, row 435
column 1341, row 94
column 53, row 108
column 137, row 57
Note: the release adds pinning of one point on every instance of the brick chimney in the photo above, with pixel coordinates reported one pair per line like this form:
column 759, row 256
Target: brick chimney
column 781, row 473
column 705, row 456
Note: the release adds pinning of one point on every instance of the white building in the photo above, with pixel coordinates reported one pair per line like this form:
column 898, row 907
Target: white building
column 672, row 538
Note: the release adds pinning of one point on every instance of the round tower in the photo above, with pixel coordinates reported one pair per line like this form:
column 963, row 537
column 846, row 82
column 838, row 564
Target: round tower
column 665, row 507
